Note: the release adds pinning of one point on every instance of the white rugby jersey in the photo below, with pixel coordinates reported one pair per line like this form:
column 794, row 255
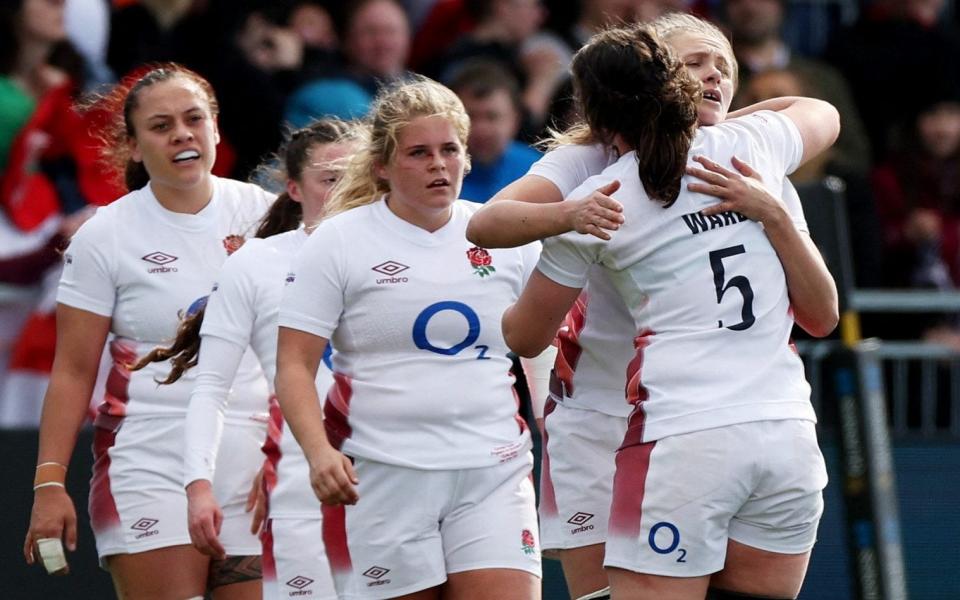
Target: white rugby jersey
column 242, row 311
column 143, row 265
column 593, row 353
column 421, row 370
column 707, row 295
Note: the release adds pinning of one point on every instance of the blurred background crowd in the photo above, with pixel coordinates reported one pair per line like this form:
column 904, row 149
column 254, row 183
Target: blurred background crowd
column 892, row 68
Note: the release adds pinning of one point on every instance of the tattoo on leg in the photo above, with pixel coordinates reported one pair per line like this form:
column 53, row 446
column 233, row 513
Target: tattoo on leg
column 233, row 569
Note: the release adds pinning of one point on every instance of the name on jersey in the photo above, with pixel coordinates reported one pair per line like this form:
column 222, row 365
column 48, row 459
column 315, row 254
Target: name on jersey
column 699, row 223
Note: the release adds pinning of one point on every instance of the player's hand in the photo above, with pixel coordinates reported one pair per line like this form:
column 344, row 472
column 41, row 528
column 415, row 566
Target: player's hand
column 333, row 478
column 742, row 192
column 257, row 502
column 53, row 516
column 204, row 519
column 597, row 213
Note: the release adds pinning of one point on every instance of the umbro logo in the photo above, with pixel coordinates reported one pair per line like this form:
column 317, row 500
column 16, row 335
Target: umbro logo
column 390, row 269
column 161, row 259
column 579, row 520
column 145, row 526
column 299, row 583
column 377, row 574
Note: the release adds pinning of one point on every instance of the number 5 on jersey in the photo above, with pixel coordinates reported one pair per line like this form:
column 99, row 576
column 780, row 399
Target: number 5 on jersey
column 738, row 281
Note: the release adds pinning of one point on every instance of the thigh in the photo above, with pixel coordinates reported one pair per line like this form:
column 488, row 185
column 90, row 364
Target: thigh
column 628, row 585
column 761, row 573
column 238, row 461
column 583, row 569
column 392, row 534
column 171, row 573
column 492, row 584
column 137, row 501
column 236, row 577
column 299, row 560
column 493, row 520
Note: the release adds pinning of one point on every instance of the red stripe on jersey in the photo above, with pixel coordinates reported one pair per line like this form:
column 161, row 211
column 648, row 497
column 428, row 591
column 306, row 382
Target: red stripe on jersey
column 568, row 345
column 336, row 410
column 548, row 498
column 630, row 479
column 335, row 538
column 118, row 381
column 271, row 450
column 635, row 391
column 268, row 560
column 103, row 508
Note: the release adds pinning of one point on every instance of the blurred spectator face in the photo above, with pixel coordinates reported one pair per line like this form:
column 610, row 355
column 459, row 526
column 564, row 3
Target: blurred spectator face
column 314, row 26
column 754, row 21
column 494, row 122
column 378, row 39
column 925, row 12
column 710, row 63
column 772, row 84
column 43, row 20
column 521, row 18
column 609, row 11
column 939, row 129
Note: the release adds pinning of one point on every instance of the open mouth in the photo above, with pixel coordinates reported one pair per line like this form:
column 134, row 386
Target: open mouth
column 186, row 156
column 437, row 183
column 712, row 95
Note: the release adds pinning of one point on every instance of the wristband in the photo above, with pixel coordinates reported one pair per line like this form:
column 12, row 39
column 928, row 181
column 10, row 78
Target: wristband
column 49, row 472
column 49, row 484
column 51, row 553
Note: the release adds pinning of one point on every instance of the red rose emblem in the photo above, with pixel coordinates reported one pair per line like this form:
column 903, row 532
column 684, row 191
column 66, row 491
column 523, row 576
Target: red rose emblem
column 481, row 261
column 232, row 243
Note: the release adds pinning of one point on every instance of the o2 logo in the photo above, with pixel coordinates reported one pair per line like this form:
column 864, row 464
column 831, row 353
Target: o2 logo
column 670, row 534
column 421, row 340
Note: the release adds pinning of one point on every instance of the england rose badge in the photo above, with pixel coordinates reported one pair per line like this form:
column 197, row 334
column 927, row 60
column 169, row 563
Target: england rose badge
column 481, row 261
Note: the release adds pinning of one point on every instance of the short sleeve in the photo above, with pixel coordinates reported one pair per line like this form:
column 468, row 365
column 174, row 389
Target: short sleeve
column 569, row 166
column 778, row 137
column 88, row 281
column 231, row 310
column 313, row 296
column 566, row 259
column 791, row 201
column 529, row 255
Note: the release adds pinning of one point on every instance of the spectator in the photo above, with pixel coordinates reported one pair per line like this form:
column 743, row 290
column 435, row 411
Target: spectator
column 507, row 32
column 756, row 34
column 492, row 99
column 895, row 49
column 376, row 42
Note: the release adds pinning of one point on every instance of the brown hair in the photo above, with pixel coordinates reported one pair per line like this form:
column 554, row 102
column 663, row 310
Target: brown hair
column 120, row 104
column 183, row 353
column 629, row 83
column 286, row 213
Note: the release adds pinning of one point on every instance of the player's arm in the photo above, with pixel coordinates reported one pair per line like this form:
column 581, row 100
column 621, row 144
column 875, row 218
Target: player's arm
column 80, row 337
column 813, row 292
column 531, row 209
column 531, row 323
column 298, row 356
column 818, row 121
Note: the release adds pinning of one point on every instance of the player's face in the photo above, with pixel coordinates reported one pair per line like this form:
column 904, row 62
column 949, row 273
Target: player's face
column 426, row 170
column 709, row 62
column 321, row 171
column 175, row 134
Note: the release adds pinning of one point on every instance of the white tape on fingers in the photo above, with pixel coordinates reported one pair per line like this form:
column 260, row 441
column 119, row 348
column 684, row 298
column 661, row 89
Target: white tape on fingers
column 52, row 555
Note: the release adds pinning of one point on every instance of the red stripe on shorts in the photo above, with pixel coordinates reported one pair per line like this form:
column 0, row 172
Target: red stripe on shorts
column 100, row 502
column 548, row 498
column 630, row 480
column 335, row 538
column 268, row 560
column 336, row 410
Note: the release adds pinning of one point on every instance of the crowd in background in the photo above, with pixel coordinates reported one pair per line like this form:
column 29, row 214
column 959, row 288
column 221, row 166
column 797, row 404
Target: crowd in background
column 889, row 66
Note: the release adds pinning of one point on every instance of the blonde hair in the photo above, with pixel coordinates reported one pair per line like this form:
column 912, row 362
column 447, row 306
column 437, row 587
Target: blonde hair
column 671, row 24
column 392, row 110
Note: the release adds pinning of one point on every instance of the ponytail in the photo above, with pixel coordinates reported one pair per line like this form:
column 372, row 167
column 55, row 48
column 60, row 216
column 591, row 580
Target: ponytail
column 184, row 352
